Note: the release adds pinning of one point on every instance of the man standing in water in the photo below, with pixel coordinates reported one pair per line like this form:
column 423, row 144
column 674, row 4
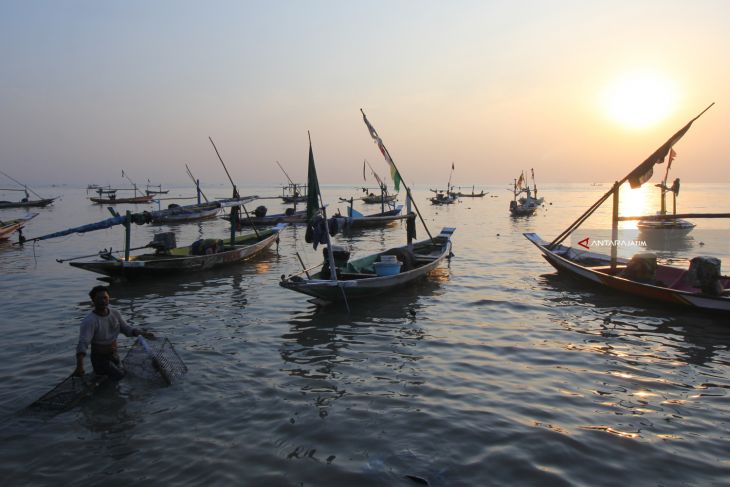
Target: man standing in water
column 100, row 330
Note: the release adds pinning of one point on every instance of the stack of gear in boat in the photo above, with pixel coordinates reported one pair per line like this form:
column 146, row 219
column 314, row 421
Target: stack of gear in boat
column 206, row 246
column 163, row 243
column 641, row 268
column 705, row 273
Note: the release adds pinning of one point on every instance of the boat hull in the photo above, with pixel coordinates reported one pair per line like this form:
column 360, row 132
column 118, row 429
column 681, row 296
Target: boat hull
column 185, row 215
column 563, row 260
column 336, row 291
column 11, row 226
column 372, row 200
column 149, row 265
column 27, row 204
column 114, row 201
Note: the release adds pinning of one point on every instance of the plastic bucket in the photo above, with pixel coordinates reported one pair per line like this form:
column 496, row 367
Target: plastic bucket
column 387, row 268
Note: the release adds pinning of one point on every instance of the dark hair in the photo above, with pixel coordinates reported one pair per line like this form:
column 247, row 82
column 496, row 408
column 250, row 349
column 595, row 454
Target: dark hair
column 96, row 289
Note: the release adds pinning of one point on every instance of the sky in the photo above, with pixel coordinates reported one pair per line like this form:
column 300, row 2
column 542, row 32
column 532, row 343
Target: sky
column 91, row 88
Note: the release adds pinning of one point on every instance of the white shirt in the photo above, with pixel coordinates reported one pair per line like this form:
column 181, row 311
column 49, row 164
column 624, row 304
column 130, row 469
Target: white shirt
column 102, row 330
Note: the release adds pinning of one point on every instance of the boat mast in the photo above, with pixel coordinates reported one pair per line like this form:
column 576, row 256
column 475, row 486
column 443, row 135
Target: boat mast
column 389, row 159
column 637, row 174
column 25, row 186
column 234, row 209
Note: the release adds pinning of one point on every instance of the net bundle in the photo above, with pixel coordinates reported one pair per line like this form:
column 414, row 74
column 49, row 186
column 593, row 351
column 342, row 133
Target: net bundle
column 154, row 360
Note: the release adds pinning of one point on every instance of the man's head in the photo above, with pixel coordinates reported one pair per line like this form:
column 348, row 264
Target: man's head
column 100, row 297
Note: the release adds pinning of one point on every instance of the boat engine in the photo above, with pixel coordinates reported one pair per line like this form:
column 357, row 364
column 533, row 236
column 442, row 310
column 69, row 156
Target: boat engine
column 705, row 273
column 260, row 211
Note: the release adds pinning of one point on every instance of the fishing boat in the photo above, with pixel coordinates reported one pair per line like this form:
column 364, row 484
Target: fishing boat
column 25, row 202
column 473, row 194
column 8, row 227
column 374, row 274
column 154, row 189
column 356, row 220
column 111, row 198
column 188, row 213
column 702, row 286
column 445, row 197
column 191, row 258
column 674, row 228
column 262, row 218
column 340, row 279
column 374, row 199
column 108, row 195
column 529, row 203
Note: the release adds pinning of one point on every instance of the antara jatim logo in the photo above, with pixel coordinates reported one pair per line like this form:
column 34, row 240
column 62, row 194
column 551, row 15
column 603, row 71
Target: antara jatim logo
column 584, row 243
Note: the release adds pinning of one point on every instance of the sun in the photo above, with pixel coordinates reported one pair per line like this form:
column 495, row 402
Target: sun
column 640, row 99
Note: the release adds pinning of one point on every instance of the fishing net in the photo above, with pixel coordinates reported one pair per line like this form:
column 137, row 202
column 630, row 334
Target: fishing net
column 154, row 360
column 68, row 393
column 151, row 360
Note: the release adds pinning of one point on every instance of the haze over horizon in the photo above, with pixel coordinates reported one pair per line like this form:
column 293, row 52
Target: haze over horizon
column 579, row 91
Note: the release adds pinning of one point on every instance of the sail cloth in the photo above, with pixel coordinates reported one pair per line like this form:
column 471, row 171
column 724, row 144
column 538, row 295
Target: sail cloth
column 313, row 190
column 393, row 170
column 644, row 171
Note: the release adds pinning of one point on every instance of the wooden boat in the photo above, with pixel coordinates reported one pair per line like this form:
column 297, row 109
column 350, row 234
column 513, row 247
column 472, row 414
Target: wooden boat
column 359, row 279
column 181, row 259
column 291, row 216
column 8, row 227
column 41, row 203
column 670, row 285
column 342, row 280
column 671, row 229
column 26, row 202
column 524, row 205
column 113, row 200
column 459, row 194
column 183, row 214
column 373, row 199
column 443, row 198
column 698, row 288
column 355, row 220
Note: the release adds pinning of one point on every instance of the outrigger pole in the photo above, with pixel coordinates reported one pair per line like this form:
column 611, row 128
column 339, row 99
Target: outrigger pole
column 234, row 212
column 389, row 160
column 23, row 185
column 637, row 176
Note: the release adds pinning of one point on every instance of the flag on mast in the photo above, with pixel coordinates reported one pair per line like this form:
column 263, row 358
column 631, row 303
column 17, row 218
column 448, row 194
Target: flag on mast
column 393, row 170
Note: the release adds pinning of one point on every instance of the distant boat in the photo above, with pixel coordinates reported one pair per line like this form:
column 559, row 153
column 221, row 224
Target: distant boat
column 374, row 199
column 25, row 203
column 667, row 229
column 471, row 195
column 150, row 189
column 113, row 200
column 445, row 197
column 529, row 203
column 111, row 194
column 8, row 227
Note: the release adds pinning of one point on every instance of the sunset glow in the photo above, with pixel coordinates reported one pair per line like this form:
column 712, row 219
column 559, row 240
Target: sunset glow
column 638, row 100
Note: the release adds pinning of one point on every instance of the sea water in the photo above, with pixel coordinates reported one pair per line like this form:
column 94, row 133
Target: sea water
column 495, row 371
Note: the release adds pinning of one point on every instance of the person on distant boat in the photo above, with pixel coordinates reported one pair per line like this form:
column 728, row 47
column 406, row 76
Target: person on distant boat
column 100, row 329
